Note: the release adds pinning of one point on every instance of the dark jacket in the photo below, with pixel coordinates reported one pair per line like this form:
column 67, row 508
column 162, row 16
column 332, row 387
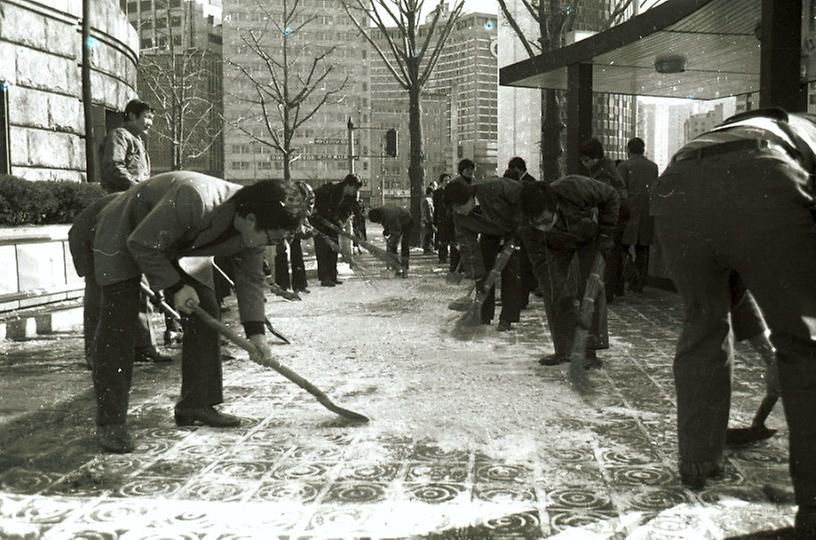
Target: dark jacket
column 587, row 208
column 331, row 205
column 606, row 172
column 395, row 220
column 639, row 175
column 177, row 221
column 81, row 234
column 497, row 214
column 125, row 162
column 443, row 217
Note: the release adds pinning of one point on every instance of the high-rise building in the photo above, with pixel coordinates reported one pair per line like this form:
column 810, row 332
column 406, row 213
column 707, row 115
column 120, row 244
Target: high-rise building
column 462, row 90
column 180, row 75
column 321, row 143
column 614, row 117
column 699, row 123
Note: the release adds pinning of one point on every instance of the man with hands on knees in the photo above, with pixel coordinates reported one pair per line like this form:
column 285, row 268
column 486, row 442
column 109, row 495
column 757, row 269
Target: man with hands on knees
column 169, row 228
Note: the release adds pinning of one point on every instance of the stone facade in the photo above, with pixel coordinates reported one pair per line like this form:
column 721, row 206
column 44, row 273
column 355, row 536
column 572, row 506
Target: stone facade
column 40, row 57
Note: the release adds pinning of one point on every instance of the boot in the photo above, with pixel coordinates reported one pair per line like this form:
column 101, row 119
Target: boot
column 114, row 438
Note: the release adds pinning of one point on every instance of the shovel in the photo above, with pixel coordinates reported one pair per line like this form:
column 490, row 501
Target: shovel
column 594, row 286
column 247, row 345
column 757, row 432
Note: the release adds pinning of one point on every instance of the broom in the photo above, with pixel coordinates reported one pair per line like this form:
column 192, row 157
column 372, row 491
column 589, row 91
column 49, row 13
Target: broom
column 473, row 315
column 577, row 373
column 391, row 259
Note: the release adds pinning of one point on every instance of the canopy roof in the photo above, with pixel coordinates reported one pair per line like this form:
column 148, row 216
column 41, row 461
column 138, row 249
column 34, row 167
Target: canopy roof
column 718, row 39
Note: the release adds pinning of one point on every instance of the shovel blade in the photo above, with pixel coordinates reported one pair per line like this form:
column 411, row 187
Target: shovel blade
column 746, row 436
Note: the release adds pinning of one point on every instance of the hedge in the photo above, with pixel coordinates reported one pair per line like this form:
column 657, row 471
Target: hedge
column 25, row 202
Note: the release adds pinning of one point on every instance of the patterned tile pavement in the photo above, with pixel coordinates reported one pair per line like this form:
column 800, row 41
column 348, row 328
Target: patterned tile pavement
column 605, row 470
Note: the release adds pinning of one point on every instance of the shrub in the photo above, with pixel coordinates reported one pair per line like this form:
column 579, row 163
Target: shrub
column 23, row 202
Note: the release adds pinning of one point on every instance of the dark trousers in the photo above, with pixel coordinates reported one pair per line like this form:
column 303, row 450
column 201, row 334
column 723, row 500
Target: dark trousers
column 563, row 284
column 746, row 212
column 613, row 271
column 454, row 258
column 326, row 258
column 641, row 268
column 510, row 282
column 92, row 303
column 113, row 353
column 282, row 260
column 529, row 283
column 427, row 238
column 403, row 240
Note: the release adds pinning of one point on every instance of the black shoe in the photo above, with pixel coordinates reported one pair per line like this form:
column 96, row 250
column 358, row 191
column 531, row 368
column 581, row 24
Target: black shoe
column 151, row 355
column 504, row 326
column 114, row 438
column 553, row 360
column 303, row 290
column 337, row 281
column 697, row 474
column 205, row 415
column 327, row 283
column 592, row 360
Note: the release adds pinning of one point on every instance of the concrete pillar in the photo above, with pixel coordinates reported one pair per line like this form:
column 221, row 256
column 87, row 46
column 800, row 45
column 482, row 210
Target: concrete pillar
column 579, row 112
column 780, row 56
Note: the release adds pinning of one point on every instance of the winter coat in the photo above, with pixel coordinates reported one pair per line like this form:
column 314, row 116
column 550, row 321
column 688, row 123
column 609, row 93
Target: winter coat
column 605, row 171
column 333, row 206
column 427, row 210
column 395, row 220
column 125, row 162
column 587, row 209
column 443, row 217
column 497, row 214
column 177, row 222
column 81, row 235
column 639, row 174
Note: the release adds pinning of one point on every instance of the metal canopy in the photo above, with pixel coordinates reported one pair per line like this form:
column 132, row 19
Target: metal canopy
column 717, row 38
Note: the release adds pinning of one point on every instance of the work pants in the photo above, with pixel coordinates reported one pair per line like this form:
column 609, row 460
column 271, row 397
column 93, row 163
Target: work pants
column 284, row 255
column 403, row 240
column 613, row 271
column 563, row 283
column 113, row 353
column 91, row 304
column 641, row 264
column 529, row 283
column 326, row 258
column 491, row 246
column 745, row 211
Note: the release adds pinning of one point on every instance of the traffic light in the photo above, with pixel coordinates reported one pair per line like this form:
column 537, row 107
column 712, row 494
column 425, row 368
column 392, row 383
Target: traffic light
column 391, row 142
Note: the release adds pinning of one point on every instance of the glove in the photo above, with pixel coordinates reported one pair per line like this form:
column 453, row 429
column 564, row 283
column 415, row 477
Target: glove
column 263, row 353
column 183, row 296
column 605, row 244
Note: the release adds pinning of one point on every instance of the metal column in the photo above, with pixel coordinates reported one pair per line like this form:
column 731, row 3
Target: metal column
column 579, row 112
column 780, row 56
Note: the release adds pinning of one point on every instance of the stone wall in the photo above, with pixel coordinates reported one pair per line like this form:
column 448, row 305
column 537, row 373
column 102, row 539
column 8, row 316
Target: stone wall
column 40, row 60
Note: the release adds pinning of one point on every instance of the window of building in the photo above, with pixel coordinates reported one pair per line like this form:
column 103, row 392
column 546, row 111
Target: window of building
column 147, row 43
column 132, row 7
column 147, row 5
column 5, row 140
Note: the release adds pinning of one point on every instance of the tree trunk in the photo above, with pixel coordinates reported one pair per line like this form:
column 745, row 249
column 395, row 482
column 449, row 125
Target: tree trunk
column 416, row 168
column 551, row 129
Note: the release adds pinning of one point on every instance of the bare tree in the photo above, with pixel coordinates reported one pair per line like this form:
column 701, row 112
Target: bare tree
column 177, row 75
column 554, row 19
column 411, row 57
column 291, row 84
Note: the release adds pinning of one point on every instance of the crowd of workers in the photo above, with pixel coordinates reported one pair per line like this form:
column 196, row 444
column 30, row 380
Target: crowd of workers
column 733, row 213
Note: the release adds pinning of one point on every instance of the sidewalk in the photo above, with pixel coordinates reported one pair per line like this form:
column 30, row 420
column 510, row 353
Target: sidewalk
column 469, row 438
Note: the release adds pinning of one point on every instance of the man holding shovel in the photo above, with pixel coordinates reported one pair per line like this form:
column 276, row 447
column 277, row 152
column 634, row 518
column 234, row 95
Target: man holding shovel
column 169, row 228
column 567, row 223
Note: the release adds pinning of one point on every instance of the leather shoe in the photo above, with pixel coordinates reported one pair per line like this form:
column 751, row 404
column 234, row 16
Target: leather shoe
column 338, row 282
column 207, row 416
column 151, row 355
column 696, row 474
column 327, row 283
column 592, row 360
column 553, row 360
column 504, row 326
column 114, row 438
column 303, row 290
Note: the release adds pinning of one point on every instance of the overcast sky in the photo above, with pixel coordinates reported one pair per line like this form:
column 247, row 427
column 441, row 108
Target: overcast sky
column 482, row 6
